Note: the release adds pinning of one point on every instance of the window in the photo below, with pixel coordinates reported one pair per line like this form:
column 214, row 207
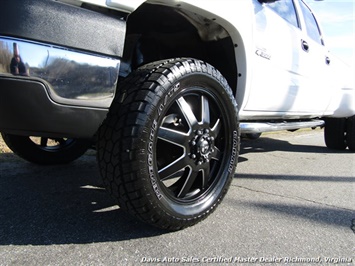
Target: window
column 311, row 24
column 285, row 9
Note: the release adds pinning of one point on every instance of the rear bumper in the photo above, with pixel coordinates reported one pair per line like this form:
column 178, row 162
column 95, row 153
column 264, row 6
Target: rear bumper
column 26, row 109
column 53, row 91
column 71, row 77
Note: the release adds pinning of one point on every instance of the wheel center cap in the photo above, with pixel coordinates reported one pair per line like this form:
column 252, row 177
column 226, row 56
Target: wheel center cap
column 202, row 146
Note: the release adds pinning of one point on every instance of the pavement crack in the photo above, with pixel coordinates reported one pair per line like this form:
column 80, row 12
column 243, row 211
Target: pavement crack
column 296, row 198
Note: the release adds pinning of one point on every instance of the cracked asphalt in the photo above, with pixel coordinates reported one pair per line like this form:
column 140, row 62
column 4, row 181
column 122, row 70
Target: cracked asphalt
column 292, row 201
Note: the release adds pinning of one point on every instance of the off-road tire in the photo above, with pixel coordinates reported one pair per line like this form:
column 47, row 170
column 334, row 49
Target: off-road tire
column 169, row 146
column 60, row 151
column 334, row 133
column 350, row 133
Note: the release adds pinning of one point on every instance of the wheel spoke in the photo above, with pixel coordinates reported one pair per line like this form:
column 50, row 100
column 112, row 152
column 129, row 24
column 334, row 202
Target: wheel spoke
column 187, row 112
column 175, row 137
column 176, row 166
column 190, row 180
column 205, row 110
column 44, row 142
column 217, row 127
column 205, row 176
column 216, row 154
column 61, row 141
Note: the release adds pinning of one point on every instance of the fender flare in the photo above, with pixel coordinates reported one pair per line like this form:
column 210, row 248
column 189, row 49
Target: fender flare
column 61, row 24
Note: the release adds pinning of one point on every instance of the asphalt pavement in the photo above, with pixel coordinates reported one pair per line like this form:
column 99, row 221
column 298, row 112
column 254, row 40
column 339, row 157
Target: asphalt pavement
column 292, row 201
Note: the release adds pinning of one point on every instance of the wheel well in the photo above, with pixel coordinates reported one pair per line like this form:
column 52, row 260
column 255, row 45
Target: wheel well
column 156, row 32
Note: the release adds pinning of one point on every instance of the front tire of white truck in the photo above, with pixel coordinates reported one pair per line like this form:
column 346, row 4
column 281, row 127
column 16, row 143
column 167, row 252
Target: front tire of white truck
column 168, row 148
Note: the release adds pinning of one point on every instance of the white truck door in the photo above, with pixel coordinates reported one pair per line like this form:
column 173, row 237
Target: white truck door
column 276, row 65
column 315, row 66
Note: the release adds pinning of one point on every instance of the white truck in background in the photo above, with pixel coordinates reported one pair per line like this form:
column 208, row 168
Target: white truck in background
column 165, row 89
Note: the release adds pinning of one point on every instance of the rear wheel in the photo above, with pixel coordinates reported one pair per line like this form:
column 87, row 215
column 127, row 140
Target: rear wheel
column 334, row 133
column 169, row 146
column 350, row 133
column 46, row 151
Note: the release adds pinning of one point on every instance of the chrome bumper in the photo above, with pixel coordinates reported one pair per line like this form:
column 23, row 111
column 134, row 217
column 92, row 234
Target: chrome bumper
column 70, row 77
column 52, row 91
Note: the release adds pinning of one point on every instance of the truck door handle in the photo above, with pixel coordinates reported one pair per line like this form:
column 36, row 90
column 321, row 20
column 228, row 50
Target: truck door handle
column 305, row 45
column 327, row 60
